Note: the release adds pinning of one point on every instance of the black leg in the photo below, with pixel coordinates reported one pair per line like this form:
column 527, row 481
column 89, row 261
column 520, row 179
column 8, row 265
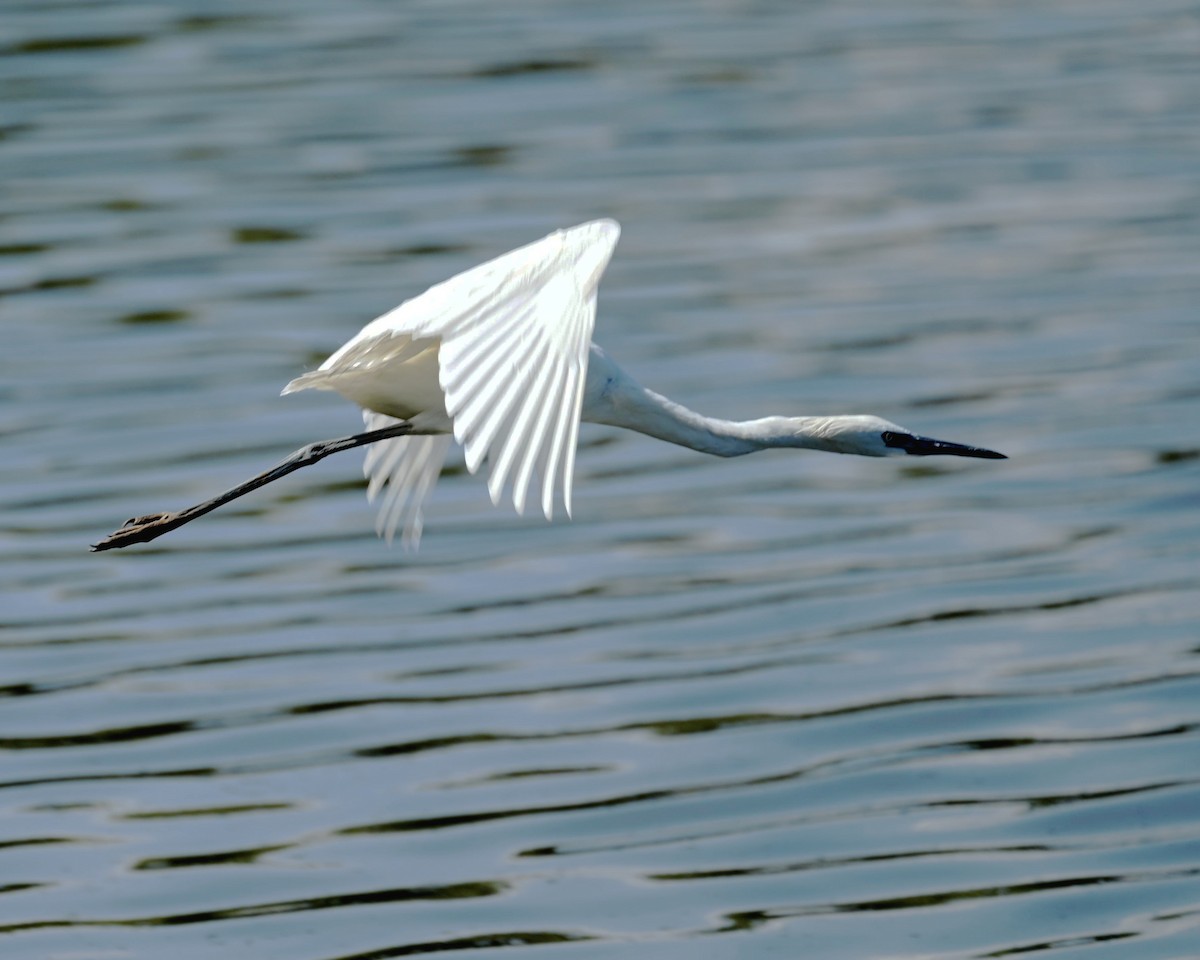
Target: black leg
column 146, row 528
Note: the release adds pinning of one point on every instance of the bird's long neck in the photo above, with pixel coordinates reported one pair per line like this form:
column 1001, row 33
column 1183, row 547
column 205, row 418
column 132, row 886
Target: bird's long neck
column 675, row 423
column 612, row 397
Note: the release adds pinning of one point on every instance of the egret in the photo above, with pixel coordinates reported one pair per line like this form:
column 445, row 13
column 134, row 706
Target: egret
column 500, row 359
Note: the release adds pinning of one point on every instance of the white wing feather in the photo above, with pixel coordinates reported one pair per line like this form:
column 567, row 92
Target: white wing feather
column 408, row 467
column 511, row 339
column 513, row 335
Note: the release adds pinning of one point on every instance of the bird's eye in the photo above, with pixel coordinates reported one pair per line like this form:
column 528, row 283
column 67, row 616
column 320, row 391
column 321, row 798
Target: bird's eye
column 900, row 441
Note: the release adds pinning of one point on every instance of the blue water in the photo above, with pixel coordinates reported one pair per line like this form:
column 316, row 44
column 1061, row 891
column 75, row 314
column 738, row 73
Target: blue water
column 789, row 705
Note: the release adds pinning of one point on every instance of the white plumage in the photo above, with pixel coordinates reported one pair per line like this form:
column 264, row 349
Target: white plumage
column 500, row 357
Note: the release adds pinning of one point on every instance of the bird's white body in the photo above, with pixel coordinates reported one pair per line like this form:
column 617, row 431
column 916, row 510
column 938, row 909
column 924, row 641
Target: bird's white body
column 500, row 358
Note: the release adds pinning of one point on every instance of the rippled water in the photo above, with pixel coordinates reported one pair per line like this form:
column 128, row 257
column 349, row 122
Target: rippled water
column 790, row 705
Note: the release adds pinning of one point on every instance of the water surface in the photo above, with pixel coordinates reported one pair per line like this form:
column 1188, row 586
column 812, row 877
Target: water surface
column 793, row 704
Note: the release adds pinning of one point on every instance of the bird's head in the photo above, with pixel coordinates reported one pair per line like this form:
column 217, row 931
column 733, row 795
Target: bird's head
column 870, row 436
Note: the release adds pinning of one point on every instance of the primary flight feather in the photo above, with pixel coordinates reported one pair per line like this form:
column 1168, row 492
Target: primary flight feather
column 500, row 358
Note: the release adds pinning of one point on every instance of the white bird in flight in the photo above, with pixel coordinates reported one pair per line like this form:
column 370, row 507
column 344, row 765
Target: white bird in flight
column 501, row 358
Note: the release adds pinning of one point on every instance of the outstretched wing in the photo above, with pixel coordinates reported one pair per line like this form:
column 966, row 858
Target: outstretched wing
column 513, row 336
column 405, row 469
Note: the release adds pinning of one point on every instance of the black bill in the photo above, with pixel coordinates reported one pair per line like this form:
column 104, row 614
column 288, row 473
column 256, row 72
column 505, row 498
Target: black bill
column 927, row 447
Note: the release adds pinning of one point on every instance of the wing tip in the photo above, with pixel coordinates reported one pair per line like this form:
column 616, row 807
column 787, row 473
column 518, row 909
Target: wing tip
column 605, row 228
column 603, row 233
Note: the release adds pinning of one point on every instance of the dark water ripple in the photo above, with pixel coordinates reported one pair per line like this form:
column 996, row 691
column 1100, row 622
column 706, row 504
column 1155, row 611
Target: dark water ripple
column 791, row 705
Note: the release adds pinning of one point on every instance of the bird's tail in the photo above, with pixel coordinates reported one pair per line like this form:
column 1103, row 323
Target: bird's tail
column 313, row 380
